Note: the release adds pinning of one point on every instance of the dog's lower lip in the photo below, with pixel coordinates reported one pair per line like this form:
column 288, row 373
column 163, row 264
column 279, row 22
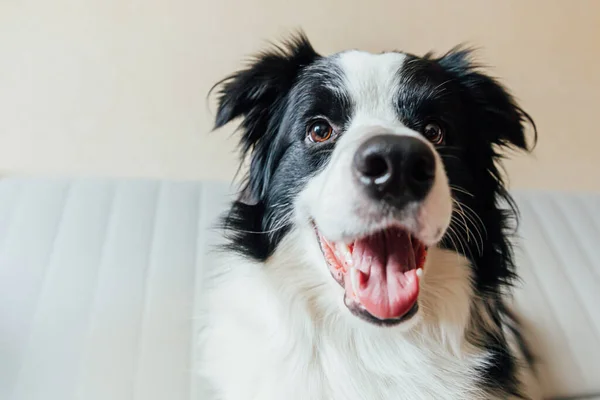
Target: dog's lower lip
column 365, row 315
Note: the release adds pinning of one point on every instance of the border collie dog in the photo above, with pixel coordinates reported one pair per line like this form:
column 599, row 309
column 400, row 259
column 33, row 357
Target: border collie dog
column 367, row 255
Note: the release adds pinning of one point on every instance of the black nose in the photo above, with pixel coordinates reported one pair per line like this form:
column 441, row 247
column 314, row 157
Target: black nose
column 397, row 169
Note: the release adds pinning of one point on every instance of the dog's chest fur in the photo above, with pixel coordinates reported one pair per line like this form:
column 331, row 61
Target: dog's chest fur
column 275, row 365
column 265, row 342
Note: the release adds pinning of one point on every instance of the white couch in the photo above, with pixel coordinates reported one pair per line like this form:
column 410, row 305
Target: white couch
column 98, row 286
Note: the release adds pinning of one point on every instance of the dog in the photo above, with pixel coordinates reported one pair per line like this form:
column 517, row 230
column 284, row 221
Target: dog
column 368, row 253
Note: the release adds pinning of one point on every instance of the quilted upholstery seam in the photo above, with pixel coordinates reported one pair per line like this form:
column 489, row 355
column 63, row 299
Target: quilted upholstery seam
column 90, row 323
column 595, row 220
column 582, row 249
column 143, row 316
column 199, row 217
column 68, row 190
column 13, row 209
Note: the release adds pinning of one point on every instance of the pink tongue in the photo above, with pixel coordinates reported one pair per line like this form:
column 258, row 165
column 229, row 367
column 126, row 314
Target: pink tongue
column 388, row 286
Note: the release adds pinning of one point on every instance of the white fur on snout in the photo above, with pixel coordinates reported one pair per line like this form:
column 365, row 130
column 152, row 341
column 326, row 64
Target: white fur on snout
column 433, row 217
column 343, row 211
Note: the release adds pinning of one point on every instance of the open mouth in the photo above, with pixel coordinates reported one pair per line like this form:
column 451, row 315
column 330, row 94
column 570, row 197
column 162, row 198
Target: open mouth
column 379, row 273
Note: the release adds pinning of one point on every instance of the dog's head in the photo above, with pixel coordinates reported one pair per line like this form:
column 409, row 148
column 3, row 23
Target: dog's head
column 382, row 158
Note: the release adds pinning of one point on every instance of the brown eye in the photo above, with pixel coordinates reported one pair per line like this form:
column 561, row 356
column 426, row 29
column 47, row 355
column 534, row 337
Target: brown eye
column 319, row 131
column 434, row 133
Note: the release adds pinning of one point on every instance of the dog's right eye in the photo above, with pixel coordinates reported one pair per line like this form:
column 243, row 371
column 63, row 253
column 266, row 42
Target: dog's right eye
column 319, row 131
column 434, row 133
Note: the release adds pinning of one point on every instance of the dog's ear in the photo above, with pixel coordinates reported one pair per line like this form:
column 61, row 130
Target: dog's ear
column 498, row 115
column 258, row 95
column 269, row 76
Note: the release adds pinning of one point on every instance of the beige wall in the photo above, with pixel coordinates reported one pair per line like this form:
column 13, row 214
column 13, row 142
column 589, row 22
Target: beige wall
column 116, row 87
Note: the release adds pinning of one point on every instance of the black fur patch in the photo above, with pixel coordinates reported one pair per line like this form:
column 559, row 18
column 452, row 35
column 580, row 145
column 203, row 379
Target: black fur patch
column 277, row 96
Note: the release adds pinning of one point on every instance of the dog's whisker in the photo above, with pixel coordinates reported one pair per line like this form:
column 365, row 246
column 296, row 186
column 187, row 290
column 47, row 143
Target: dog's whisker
column 452, row 233
column 478, row 232
column 461, row 213
column 466, row 229
column 461, row 190
column 278, row 228
column 475, row 215
column 462, row 224
column 465, row 218
column 456, row 235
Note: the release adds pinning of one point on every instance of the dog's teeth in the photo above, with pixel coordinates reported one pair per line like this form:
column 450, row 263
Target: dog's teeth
column 354, row 279
column 348, row 258
column 344, row 251
column 419, row 272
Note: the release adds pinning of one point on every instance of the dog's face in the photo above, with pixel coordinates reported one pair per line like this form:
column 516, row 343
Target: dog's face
column 383, row 156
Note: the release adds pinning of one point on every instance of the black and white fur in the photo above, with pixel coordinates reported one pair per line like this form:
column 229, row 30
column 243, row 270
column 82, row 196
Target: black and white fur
column 277, row 325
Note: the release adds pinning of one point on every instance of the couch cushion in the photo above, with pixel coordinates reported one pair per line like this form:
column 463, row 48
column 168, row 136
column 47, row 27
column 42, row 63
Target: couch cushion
column 97, row 287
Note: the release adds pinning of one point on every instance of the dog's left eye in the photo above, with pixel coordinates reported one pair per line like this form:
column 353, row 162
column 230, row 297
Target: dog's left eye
column 319, row 131
column 434, row 133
